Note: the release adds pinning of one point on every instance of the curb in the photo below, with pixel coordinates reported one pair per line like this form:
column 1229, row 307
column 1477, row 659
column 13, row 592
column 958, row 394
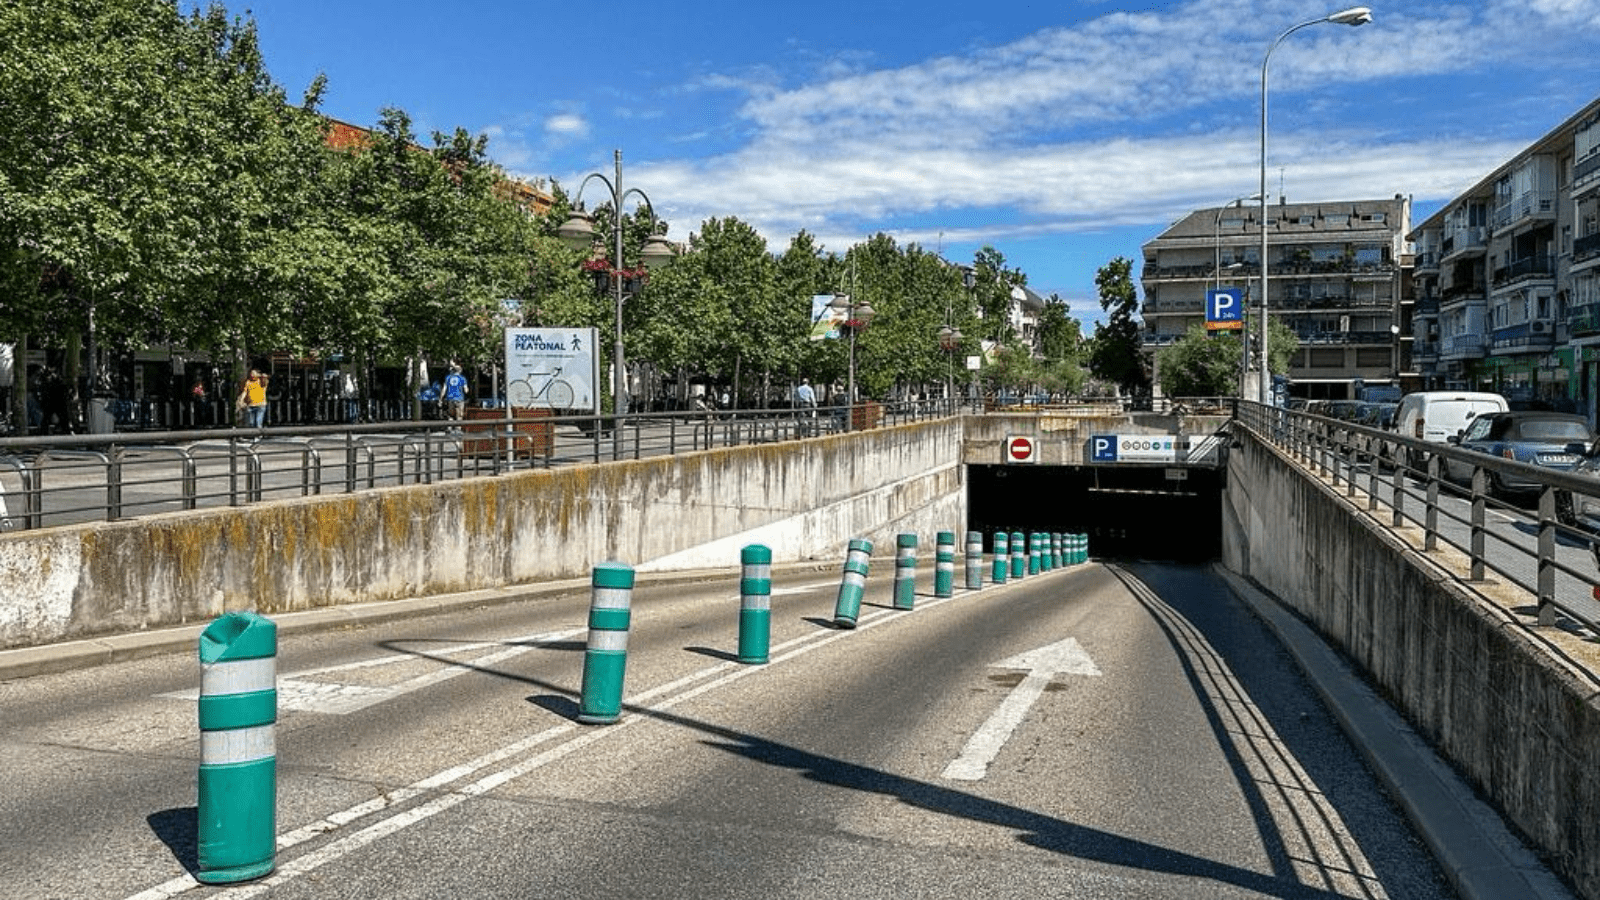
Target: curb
column 1474, row 847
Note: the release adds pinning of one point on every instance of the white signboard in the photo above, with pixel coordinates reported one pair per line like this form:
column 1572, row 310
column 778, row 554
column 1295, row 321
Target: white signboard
column 553, row 368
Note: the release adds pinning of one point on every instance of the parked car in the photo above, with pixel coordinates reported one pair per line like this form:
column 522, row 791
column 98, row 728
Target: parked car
column 1549, row 439
column 1439, row 415
column 1582, row 511
column 1376, row 415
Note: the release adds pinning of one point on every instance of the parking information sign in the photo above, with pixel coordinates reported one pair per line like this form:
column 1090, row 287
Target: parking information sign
column 1141, row 448
column 1224, row 309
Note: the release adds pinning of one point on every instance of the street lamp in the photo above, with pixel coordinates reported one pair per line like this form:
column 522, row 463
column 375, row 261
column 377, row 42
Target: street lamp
column 578, row 233
column 857, row 316
column 949, row 341
column 1355, row 15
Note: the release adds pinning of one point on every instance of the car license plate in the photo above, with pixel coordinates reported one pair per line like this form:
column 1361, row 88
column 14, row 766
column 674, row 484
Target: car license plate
column 1557, row 459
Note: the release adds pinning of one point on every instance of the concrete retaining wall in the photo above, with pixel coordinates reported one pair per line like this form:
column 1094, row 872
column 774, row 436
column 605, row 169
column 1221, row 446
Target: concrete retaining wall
column 804, row 500
column 1488, row 694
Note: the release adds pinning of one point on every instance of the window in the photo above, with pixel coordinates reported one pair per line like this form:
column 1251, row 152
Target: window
column 1337, row 219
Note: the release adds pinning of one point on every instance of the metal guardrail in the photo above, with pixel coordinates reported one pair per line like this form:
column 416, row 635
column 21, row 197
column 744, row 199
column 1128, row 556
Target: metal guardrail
column 1528, row 547
column 58, row 480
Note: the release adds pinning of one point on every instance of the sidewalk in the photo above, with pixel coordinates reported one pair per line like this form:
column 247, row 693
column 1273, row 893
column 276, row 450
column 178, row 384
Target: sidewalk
column 1477, row 851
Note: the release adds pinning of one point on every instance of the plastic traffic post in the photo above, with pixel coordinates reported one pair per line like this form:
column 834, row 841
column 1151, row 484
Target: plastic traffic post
column 1019, row 556
column 1002, row 557
column 974, row 570
column 853, row 584
column 755, row 604
column 605, row 660
column 238, row 784
column 944, row 564
column 905, row 571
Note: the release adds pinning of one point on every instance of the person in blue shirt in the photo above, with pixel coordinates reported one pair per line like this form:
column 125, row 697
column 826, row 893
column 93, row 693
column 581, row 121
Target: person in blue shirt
column 455, row 393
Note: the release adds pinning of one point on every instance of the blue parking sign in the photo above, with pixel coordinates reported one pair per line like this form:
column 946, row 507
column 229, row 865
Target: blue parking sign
column 1103, row 448
column 1224, row 309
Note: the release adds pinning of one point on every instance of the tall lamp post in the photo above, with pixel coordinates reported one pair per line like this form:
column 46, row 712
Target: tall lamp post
column 857, row 316
column 578, row 232
column 1355, row 15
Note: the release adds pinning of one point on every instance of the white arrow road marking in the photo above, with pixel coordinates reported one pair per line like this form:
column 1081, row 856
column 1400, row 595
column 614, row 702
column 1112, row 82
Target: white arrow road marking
column 1042, row 665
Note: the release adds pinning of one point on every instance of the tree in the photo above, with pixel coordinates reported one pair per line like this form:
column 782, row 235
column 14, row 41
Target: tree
column 1115, row 355
column 1201, row 364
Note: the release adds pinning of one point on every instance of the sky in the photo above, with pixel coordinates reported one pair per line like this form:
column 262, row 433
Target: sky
column 1063, row 134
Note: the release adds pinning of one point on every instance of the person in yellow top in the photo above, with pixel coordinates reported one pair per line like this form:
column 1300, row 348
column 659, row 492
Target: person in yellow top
column 253, row 400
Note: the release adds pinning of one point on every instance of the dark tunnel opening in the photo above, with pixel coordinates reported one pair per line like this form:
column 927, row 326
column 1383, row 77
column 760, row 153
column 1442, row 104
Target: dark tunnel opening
column 1129, row 512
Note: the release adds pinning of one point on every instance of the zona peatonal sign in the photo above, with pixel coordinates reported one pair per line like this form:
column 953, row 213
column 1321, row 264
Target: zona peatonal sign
column 552, row 368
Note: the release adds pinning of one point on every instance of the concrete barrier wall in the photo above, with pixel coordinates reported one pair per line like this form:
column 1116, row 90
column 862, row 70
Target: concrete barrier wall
column 1487, row 693
column 805, row 500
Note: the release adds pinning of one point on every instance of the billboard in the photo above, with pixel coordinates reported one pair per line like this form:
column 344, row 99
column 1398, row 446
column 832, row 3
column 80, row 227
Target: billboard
column 825, row 317
column 553, row 368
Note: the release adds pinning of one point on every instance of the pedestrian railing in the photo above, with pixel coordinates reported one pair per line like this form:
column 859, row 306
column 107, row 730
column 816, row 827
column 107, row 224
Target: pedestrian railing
column 57, row 480
column 1534, row 545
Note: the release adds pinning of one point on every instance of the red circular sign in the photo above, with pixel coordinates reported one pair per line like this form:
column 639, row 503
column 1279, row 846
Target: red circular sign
column 1019, row 449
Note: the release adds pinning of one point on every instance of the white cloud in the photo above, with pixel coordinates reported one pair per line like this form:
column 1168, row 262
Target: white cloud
column 566, row 125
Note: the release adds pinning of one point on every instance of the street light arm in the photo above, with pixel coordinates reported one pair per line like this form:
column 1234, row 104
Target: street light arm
column 577, row 199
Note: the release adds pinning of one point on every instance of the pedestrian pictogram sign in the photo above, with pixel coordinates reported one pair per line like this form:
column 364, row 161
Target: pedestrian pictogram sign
column 1021, row 449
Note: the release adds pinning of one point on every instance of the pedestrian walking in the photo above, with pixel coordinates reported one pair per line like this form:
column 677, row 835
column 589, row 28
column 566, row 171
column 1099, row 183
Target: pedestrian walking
column 252, row 402
column 455, row 394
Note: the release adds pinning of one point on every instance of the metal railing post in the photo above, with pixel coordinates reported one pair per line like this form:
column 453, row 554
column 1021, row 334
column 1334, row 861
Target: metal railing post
column 1480, row 505
column 1547, row 557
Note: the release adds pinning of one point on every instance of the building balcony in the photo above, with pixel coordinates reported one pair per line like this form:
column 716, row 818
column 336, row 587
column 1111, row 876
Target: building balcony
column 1466, row 242
column 1344, row 338
column 1586, row 249
column 1586, row 176
column 1471, row 345
column 1535, row 205
column 1583, row 321
column 1425, row 263
column 1538, row 335
column 1426, row 306
column 1529, row 268
column 1467, row 290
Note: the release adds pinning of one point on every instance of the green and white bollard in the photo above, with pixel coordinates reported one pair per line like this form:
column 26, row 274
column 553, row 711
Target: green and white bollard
column 974, row 568
column 1083, row 548
column 905, row 571
column 1019, row 556
column 605, row 660
column 853, row 584
column 1002, row 557
column 1057, row 551
column 755, row 604
column 944, row 565
column 238, row 784
column 1035, row 552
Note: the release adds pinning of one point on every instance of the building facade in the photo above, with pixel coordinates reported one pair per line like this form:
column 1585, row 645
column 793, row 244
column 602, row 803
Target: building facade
column 1508, row 277
column 1339, row 279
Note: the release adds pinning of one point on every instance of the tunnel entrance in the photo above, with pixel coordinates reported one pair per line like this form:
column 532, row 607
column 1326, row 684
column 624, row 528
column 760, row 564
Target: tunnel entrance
column 1129, row 512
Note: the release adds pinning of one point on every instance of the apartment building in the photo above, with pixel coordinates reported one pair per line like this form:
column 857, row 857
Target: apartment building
column 1339, row 272
column 1507, row 277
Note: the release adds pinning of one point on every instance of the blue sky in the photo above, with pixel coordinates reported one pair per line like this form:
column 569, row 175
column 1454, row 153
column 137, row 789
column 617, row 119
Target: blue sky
column 1064, row 134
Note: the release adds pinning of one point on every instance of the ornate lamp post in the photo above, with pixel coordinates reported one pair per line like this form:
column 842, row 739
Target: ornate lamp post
column 578, row 232
column 857, row 316
column 949, row 341
column 1356, row 15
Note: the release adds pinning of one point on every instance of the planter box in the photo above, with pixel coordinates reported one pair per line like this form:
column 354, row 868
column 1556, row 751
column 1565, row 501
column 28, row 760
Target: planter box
column 531, row 433
column 864, row 415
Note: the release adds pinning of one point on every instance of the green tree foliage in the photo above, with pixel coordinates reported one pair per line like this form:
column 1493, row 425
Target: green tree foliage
column 1114, row 355
column 1200, row 364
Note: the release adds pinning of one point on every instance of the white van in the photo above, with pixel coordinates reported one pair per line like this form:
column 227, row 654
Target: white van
column 1440, row 415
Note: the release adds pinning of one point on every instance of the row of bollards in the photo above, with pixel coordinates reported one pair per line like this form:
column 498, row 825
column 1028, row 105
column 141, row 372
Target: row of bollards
column 237, row 786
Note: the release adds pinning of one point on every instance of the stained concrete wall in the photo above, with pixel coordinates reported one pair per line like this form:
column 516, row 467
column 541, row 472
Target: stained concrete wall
column 805, row 500
column 1514, row 718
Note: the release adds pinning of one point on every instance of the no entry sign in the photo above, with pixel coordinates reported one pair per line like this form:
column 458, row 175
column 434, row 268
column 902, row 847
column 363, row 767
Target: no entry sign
column 1021, row 449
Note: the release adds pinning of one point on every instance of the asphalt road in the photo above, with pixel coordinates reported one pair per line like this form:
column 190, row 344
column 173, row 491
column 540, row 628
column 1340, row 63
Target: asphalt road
column 1094, row 732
